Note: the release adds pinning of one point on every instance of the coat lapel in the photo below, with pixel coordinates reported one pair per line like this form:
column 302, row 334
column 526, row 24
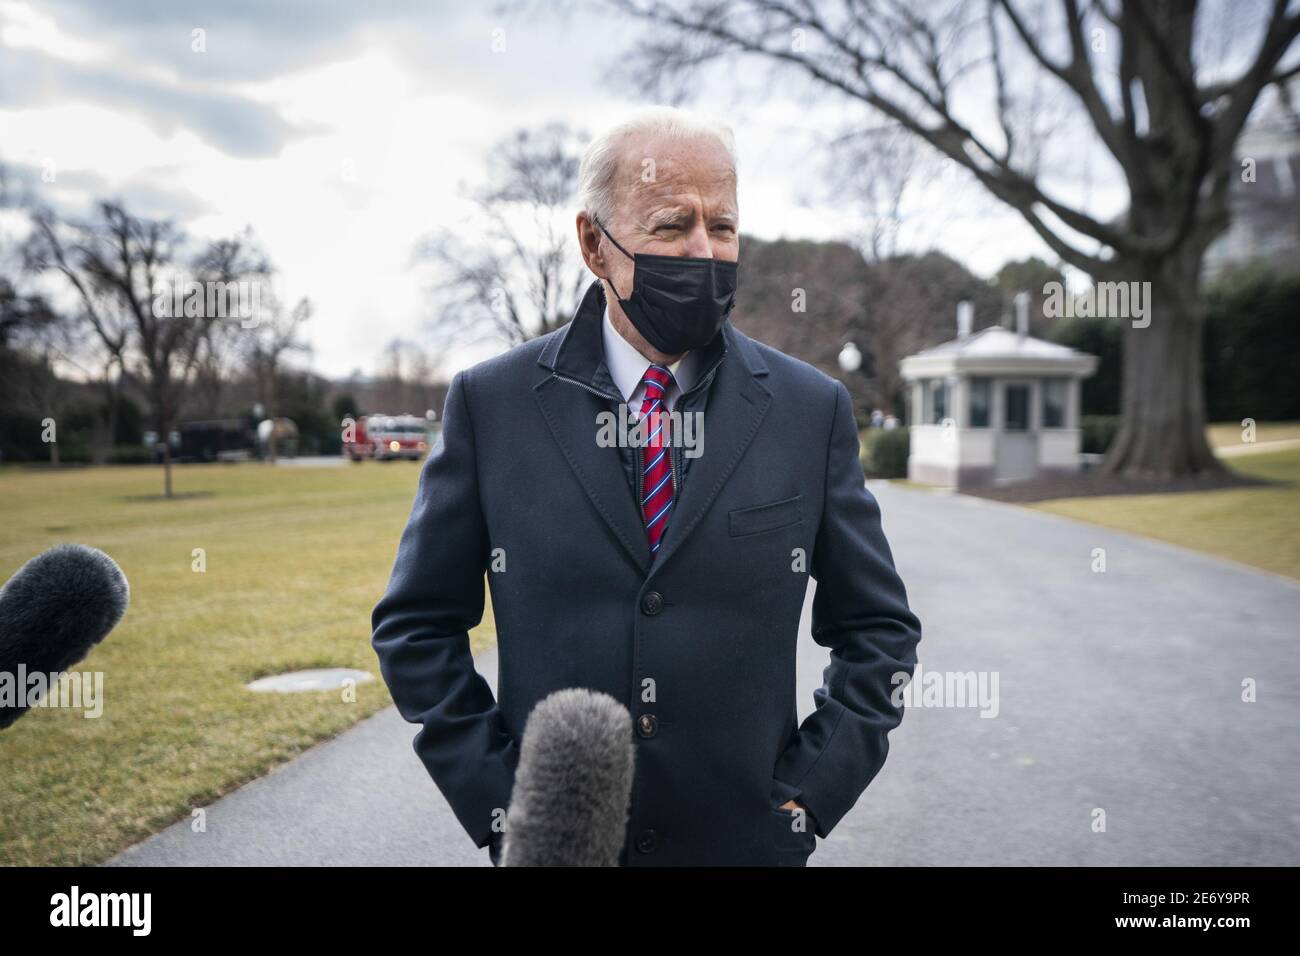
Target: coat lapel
column 576, row 353
column 736, row 406
column 570, row 413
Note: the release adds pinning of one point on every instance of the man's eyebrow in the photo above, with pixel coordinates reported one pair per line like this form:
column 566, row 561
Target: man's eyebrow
column 668, row 216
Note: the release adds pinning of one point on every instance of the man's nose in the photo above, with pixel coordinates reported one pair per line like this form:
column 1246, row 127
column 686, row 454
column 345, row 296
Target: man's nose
column 697, row 242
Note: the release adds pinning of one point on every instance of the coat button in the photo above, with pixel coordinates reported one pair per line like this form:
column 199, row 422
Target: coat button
column 652, row 603
column 646, row 725
column 646, row 841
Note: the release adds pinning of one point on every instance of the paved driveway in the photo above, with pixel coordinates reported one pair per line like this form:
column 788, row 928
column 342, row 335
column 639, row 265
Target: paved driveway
column 1119, row 699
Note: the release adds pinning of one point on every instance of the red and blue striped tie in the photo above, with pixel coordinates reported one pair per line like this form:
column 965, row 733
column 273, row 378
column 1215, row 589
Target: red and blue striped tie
column 657, row 475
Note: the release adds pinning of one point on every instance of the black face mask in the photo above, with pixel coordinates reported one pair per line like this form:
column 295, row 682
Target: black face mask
column 678, row 302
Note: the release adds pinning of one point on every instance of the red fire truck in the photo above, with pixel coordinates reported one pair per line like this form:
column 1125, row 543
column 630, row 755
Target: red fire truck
column 385, row 437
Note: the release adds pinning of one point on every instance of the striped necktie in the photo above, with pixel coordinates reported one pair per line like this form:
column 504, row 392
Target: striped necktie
column 657, row 475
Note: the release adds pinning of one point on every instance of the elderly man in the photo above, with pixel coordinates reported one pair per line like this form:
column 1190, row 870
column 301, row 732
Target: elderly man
column 668, row 574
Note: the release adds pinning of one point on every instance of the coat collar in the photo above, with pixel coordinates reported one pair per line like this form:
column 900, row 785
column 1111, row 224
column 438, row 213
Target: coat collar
column 578, row 351
column 736, row 406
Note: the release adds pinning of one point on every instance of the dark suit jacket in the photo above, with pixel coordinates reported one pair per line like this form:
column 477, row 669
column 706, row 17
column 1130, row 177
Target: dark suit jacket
column 700, row 645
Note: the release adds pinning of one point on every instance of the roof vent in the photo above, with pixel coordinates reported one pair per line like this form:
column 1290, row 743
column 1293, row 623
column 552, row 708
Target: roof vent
column 1022, row 315
column 965, row 318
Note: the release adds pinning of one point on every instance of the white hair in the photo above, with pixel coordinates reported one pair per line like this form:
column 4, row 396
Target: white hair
column 598, row 175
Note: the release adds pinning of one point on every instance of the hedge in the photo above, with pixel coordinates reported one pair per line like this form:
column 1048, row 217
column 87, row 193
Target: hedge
column 884, row 452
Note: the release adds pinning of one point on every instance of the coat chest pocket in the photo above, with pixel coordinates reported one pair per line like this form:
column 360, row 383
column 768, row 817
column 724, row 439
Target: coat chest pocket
column 769, row 517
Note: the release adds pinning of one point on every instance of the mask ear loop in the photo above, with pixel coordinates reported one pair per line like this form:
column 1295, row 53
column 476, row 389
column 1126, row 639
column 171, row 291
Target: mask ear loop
column 597, row 221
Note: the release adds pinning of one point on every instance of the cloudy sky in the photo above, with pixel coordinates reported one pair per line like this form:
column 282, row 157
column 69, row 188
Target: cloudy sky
column 343, row 132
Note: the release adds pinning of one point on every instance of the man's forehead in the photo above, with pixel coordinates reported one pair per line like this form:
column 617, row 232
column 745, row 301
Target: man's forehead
column 659, row 171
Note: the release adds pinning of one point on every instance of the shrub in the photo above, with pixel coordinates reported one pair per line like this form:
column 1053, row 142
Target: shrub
column 884, row 452
column 1252, row 344
column 1098, row 432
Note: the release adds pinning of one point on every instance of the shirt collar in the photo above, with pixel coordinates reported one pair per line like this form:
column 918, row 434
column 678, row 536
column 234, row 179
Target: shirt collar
column 627, row 366
column 575, row 350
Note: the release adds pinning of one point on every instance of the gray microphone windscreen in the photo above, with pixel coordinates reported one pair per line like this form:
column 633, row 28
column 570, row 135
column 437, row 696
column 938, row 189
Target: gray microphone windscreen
column 54, row 609
column 569, row 805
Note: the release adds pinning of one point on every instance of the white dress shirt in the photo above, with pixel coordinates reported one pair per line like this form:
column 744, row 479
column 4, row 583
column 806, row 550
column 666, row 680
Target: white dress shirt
column 627, row 367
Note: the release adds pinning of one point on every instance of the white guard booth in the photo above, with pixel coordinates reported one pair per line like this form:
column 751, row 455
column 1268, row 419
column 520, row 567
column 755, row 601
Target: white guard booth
column 994, row 406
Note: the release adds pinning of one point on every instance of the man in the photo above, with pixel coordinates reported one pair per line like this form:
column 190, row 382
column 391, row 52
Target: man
column 667, row 569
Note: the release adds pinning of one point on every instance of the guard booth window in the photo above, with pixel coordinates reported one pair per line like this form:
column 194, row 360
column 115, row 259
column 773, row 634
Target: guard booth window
column 1017, row 408
column 1053, row 402
column 981, row 394
column 938, row 401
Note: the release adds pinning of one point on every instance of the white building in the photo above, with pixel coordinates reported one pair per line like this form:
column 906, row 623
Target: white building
column 993, row 406
column 1264, row 195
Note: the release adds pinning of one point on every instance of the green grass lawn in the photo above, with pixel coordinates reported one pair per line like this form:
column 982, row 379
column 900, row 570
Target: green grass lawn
column 1257, row 526
column 296, row 559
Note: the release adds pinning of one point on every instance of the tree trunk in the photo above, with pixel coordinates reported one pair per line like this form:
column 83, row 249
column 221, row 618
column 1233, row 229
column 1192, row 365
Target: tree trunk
column 1162, row 396
column 108, row 437
column 165, row 419
column 167, row 468
column 270, row 414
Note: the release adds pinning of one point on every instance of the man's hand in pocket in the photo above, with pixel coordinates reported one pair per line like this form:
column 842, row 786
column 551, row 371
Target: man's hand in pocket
column 791, row 805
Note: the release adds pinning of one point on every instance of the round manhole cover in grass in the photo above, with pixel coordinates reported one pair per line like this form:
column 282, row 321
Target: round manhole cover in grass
column 294, row 682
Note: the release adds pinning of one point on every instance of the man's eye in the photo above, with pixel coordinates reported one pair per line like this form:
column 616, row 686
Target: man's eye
column 724, row 227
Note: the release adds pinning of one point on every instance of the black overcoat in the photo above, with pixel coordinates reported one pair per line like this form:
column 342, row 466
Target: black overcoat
column 700, row 644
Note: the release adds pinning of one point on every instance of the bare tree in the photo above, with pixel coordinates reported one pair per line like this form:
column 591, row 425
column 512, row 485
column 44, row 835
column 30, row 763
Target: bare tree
column 126, row 272
column 101, row 312
column 34, row 340
column 805, row 298
column 20, row 312
column 219, row 361
column 275, row 336
column 875, row 170
column 908, row 300
column 1140, row 74
column 405, row 380
column 45, row 343
column 513, row 272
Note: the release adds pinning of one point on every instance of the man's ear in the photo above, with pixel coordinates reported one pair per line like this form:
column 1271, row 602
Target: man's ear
column 589, row 244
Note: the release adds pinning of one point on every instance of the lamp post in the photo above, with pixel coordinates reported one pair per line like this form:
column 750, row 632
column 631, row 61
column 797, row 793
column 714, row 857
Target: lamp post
column 850, row 358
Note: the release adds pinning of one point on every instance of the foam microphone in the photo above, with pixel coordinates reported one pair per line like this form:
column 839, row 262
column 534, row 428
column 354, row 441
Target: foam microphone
column 56, row 607
column 569, row 805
